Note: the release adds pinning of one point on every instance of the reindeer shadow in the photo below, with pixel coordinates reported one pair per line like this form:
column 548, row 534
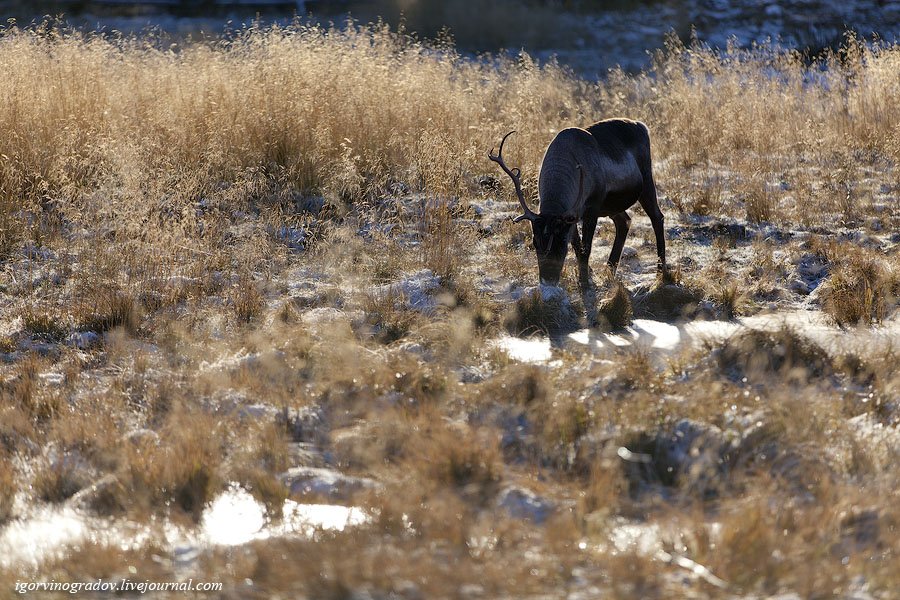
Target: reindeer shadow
column 646, row 333
column 609, row 314
column 610, row 306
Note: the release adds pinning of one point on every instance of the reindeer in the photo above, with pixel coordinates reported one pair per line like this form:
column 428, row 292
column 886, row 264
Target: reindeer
column 586, row 174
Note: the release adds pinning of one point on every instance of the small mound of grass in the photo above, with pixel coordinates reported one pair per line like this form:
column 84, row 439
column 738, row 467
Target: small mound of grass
column 44, row 324
column 729, row 299
column 23, row 390
column 783, row 352
column 247, row 301
column 182, row 470
column 615, row 311
column 457, row 458
column 7, row 344
column 861, row 290
column 389, row 317
column 541, row 310
column 111, row 308
column 668, row 299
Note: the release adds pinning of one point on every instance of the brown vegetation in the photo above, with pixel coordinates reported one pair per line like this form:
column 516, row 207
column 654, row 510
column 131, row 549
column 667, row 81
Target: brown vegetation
column 237, row 224
column 863, row 288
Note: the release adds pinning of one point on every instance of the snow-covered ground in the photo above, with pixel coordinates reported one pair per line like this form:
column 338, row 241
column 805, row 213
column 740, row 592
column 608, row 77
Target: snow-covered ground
column 233, row 518
column 661, row 336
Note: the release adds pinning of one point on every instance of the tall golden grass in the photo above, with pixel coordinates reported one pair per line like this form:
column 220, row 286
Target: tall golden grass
column 117, row 134
column 316, row 109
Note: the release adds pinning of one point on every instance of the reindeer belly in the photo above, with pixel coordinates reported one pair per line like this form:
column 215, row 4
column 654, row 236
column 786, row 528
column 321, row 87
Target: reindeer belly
column 621, row 188
column 615, row 200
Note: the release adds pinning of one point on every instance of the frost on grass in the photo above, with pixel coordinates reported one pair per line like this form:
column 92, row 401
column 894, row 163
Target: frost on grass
column 542, row 309
column 861, row 290
column 416, row 291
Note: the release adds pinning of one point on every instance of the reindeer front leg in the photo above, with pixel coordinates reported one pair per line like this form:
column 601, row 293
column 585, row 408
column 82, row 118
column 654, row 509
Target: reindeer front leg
column 623, row 224
column 583, row 250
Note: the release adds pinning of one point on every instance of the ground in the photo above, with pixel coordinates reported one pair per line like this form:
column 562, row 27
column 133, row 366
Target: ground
column 248, row 339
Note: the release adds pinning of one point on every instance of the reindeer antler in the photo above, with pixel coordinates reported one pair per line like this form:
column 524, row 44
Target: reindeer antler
column 516, row 175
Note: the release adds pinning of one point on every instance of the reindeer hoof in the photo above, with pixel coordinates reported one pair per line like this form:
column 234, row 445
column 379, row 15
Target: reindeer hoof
column 585, row 277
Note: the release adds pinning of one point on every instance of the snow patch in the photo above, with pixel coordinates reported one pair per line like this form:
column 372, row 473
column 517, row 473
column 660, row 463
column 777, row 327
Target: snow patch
column 417, row 291
column 235, row 517
column 44, row 535
column 658, row 335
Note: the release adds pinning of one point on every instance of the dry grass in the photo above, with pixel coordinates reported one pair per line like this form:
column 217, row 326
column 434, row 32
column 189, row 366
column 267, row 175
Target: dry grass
column 41, row 323
column 455, row 456
column 541, row 310
column 729, row 298
column 389, row 316
column 247, row 301
column 111, row 308
column 182, row 468
column 758, row 354
column 163, row 198
column 615, row 310
column 667, row 301
column 862, row 289
column 255, row 465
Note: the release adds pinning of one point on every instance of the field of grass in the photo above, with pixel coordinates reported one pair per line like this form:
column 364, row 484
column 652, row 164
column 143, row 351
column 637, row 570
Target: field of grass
column 288, row 249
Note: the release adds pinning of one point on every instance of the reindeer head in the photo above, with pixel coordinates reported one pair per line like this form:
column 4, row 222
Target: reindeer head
column 552, row 233
column 551, row 238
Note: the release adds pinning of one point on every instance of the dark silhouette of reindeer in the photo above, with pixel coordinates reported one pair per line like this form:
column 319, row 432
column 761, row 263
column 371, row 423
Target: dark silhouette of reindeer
column 586, row 174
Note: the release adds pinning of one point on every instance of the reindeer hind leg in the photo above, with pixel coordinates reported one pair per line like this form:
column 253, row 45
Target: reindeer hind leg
column 650, row 204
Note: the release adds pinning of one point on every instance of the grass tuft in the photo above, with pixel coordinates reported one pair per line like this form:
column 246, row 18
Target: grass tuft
column 861, row 289
column 761, row 354
column 667, row 301
column 615, row 311
column 247, row 302
column 44, row 324
column 153, row 476
column 111, row 308
column 729, row 298
column 456, row 457
column 388, row 316
column 541, row 310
